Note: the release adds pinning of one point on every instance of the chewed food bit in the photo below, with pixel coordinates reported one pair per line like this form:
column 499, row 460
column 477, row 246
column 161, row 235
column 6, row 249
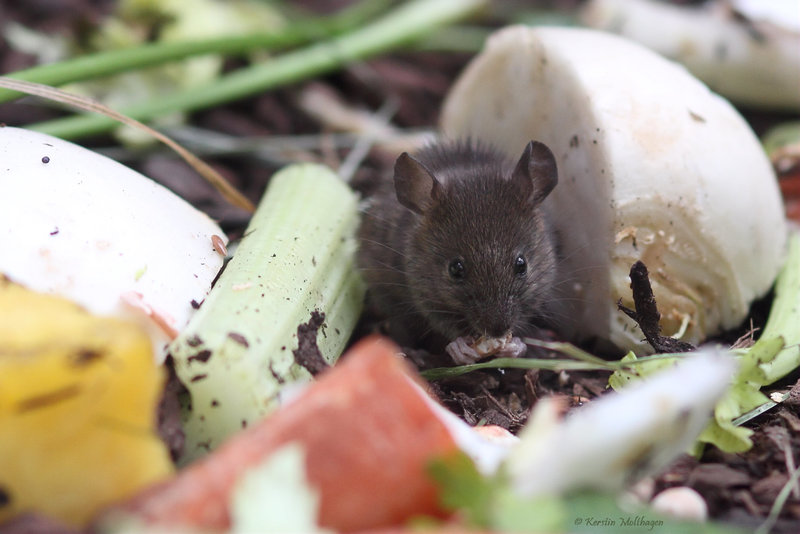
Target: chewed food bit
column 466, row 350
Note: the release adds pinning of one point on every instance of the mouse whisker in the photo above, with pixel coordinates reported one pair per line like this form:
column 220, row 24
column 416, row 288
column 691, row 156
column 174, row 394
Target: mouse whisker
column 385, row 246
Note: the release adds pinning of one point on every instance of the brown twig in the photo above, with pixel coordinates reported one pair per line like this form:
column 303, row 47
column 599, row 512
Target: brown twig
column 647, row 315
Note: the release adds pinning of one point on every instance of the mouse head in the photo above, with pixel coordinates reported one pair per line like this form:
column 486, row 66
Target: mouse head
column 480, row 260
column 418, row 188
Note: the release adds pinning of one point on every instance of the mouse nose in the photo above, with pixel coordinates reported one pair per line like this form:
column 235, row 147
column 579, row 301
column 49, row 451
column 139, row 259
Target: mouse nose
column 498, row 330
column 493, row 326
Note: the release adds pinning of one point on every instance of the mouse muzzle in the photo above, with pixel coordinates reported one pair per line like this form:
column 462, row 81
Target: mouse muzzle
column 493, row 325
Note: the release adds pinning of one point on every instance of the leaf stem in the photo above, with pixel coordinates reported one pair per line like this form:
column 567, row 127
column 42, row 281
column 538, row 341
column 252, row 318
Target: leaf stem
column 406, row 23
column 784, row 317
column 151, row 54
column 512, row 363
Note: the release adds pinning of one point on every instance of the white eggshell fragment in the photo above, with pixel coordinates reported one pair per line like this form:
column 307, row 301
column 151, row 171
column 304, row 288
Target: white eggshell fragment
column 652, row 166
column 80, row 225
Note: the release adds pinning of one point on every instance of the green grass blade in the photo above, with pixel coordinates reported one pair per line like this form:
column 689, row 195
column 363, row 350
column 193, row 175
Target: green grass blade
column 148, row 55
column 410, row 21
column 439, row 373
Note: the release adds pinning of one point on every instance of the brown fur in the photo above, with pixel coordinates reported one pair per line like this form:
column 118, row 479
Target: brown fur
column 482, row 210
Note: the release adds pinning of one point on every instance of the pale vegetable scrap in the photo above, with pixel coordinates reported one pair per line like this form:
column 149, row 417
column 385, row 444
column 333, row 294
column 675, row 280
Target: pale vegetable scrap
column 681, row 503
column 636, row 431
column 367, row 461
column 748, row 51
column 83, row 226
column 652, row 165
column 78, row 398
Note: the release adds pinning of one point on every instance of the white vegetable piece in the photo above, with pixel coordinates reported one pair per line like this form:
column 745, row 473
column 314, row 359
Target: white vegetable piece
column 652, row 166
column 624, row 435
column 276, row 496
column 747, row 50
column 80, row 225
column 681, row 502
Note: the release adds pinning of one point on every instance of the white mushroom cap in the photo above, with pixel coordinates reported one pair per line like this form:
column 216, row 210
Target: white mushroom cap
column 652, row 166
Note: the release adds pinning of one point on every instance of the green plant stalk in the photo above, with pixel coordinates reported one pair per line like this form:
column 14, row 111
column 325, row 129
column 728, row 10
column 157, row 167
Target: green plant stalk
column 410, row 21
column 297, row 257
column 583, row 361
column 786, row 133
column 784, row 318
column 439, row 373
column 774, row 355
column 148, row 55
column 575, row 352
column 779, row 503
column 466, row 39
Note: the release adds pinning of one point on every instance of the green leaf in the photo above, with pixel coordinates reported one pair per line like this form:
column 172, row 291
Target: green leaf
column 772, row 357
column 765, row 350
column 463, row 487
column 644, row 367
column 512, row 513
column 490, row 503
column 600, row 513
column 780, row 136
column 400, row 26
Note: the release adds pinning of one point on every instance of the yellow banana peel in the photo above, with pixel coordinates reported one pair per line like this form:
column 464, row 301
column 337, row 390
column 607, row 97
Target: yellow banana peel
column 78, row 397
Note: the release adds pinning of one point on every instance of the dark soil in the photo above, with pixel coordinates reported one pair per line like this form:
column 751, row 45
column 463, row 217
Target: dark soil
column 307, row 353
column 739, row 488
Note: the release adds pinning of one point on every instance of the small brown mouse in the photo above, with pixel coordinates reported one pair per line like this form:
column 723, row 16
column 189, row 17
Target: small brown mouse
column 460, row 249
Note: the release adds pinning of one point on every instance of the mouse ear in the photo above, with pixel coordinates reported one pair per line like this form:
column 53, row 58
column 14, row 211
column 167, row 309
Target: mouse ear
column 536, row 171
column 415, row 185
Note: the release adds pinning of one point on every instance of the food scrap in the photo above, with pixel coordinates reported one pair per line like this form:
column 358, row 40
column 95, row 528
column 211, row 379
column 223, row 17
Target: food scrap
column 78, row 399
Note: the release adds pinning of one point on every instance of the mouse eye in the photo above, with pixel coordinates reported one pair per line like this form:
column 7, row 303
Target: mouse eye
column 520, row 265
column 456, row 269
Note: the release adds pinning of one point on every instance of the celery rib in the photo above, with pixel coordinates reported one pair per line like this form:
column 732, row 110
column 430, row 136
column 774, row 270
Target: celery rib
column 297, row 256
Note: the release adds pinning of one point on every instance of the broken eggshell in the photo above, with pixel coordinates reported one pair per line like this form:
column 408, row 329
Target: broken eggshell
column 652, row 166
column 80, row 225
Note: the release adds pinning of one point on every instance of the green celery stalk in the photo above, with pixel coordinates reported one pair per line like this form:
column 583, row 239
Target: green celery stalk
column 297, row 257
